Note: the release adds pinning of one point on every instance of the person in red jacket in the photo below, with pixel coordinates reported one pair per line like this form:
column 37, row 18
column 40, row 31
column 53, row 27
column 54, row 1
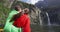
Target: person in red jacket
column 23, row 21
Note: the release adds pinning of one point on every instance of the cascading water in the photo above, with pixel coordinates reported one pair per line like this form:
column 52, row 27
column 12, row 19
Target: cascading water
column 49, row 24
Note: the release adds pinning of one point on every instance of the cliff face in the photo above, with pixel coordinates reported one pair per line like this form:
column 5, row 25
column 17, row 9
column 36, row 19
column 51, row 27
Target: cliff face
column 52, row 7
column 36, row 20
column 34, row 15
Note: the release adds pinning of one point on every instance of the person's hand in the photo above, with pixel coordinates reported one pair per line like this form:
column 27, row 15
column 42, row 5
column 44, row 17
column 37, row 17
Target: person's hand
column 20, row 10
column 26, row 10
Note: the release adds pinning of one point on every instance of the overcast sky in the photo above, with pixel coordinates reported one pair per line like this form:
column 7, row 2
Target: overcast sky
column 31, row 1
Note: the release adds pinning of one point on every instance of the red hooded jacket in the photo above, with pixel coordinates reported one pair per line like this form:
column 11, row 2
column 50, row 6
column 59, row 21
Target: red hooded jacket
column 23, row 22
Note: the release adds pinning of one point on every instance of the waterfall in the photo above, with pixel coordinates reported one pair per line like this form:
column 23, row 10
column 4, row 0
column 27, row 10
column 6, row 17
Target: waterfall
column 49, row 24
column 40, row 18
column 48, row 19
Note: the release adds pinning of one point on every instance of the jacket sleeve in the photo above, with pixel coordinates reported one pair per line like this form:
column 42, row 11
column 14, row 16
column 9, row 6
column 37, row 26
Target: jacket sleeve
column 26, row 27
